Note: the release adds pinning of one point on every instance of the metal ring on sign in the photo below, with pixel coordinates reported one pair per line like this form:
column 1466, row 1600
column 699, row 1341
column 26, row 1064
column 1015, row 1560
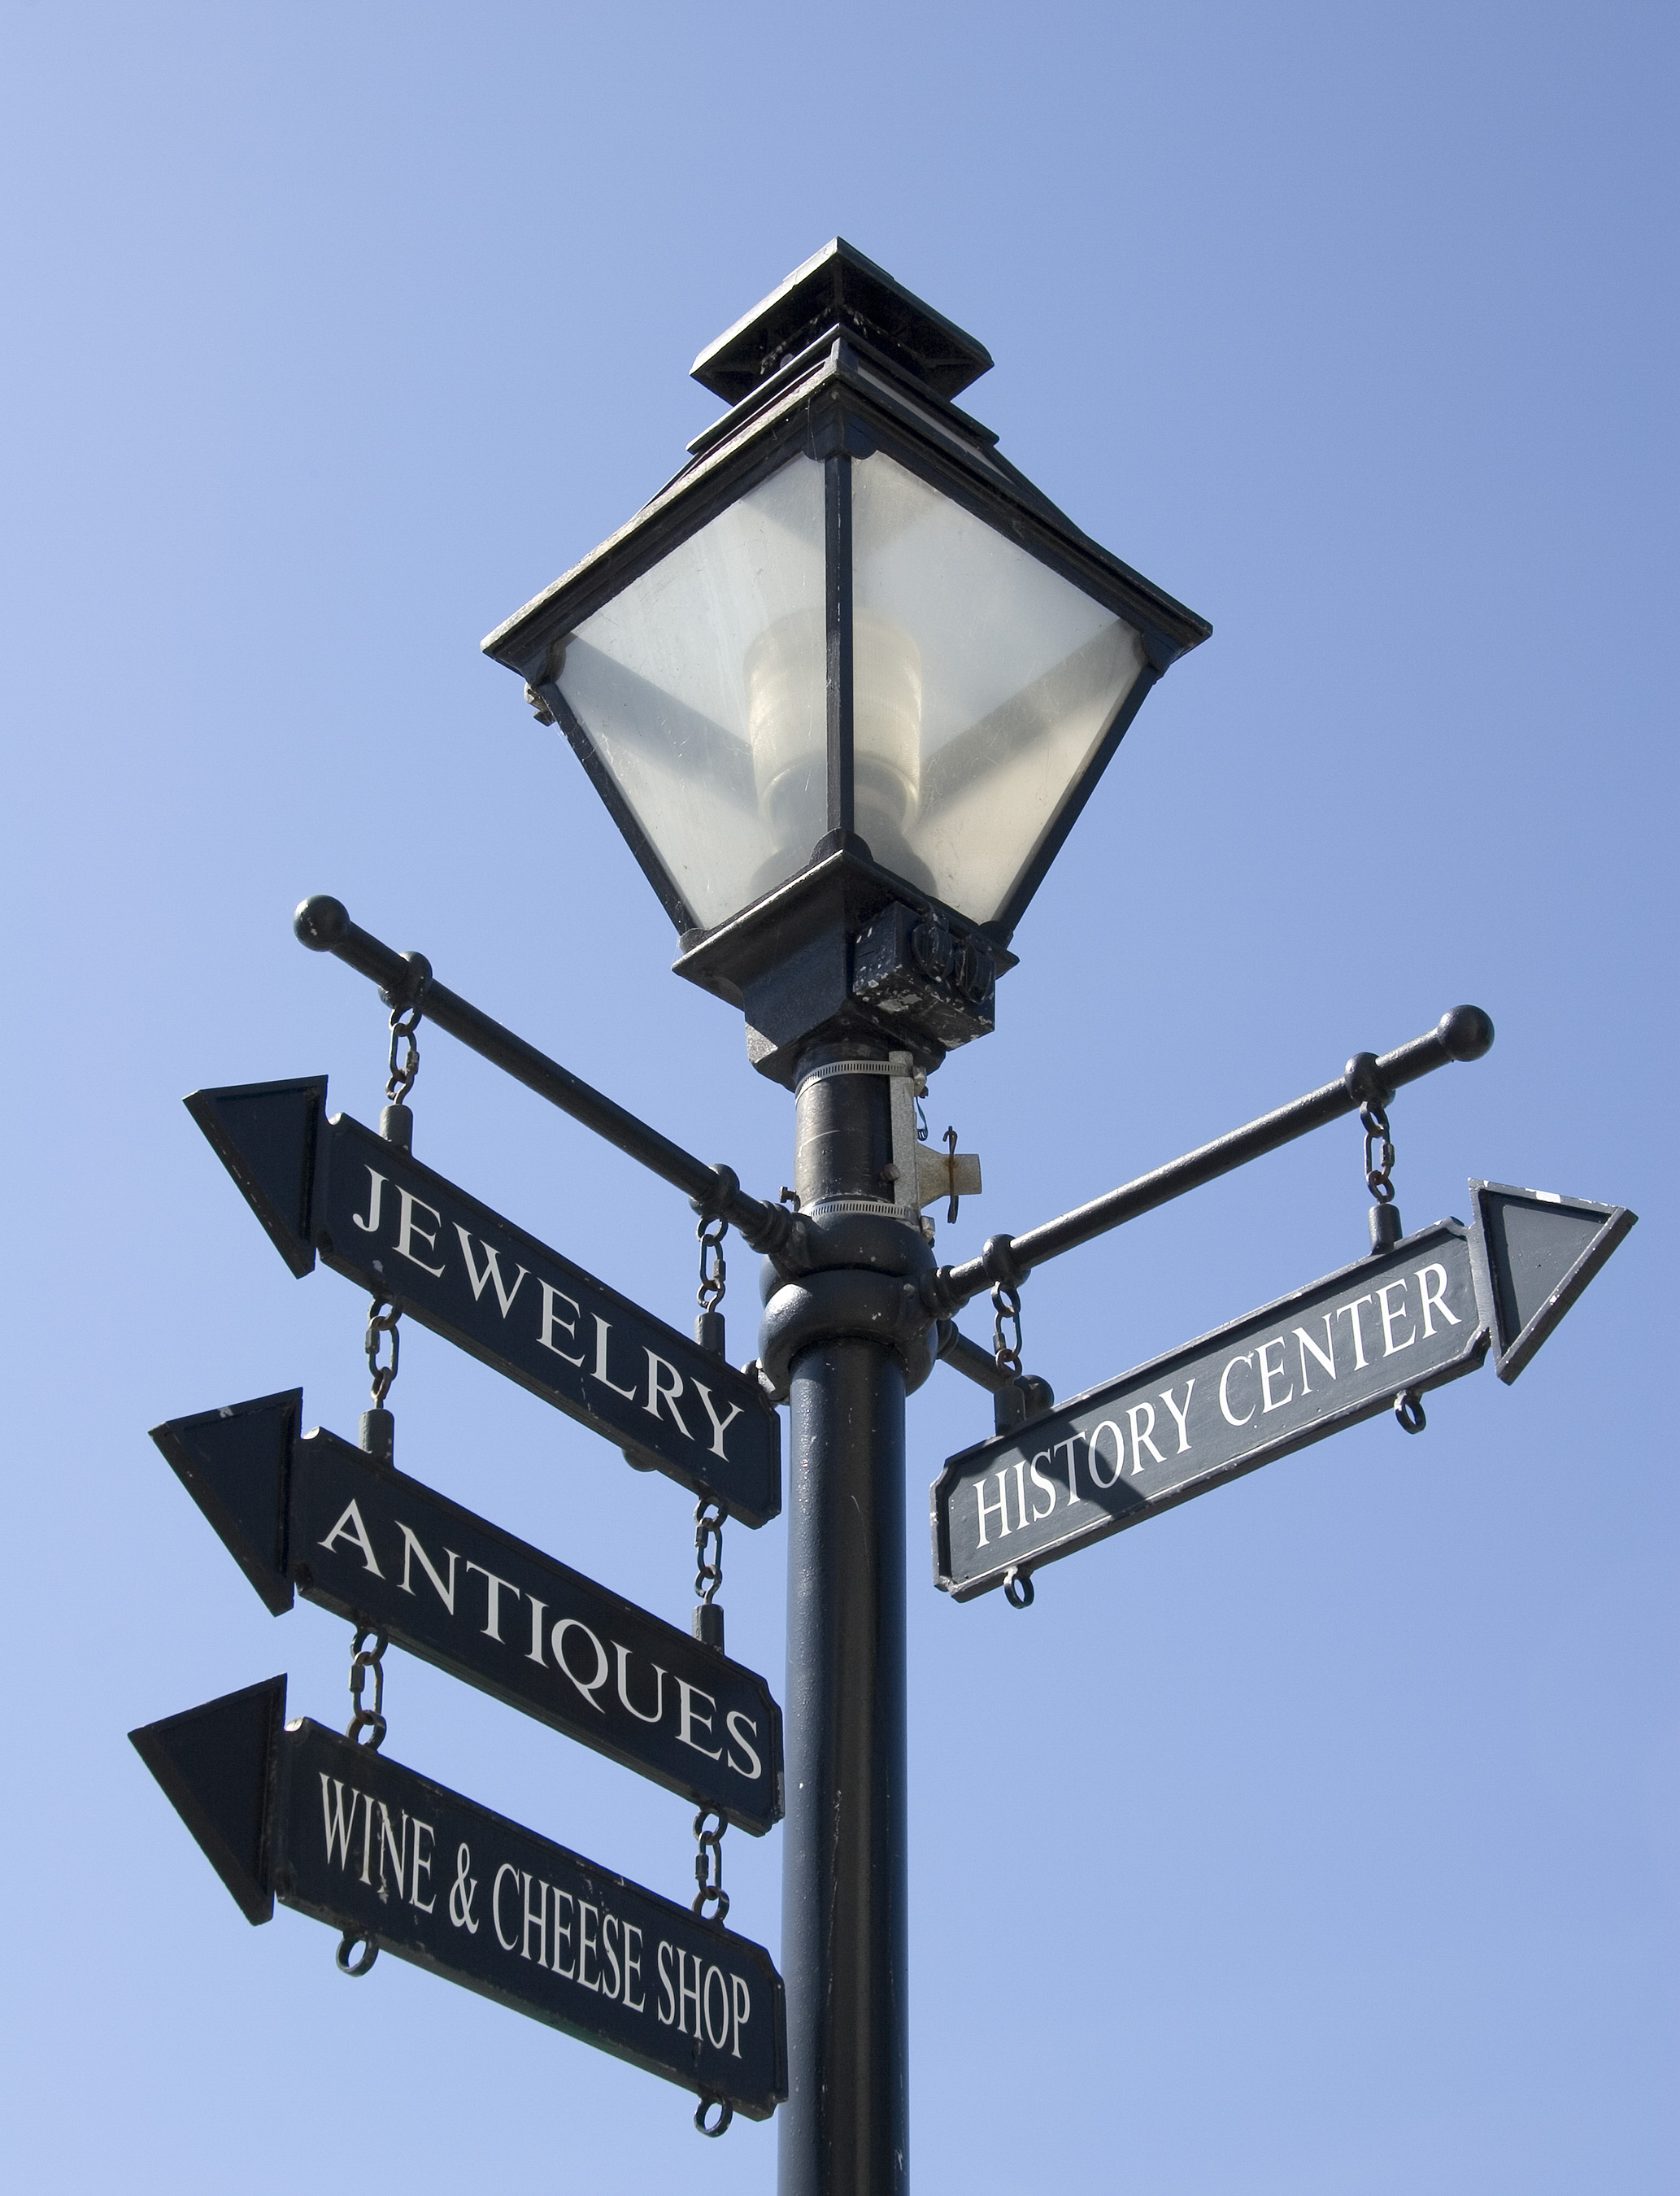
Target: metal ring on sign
column 1017, row 1587
column 1409, row 1410
column 347, row 1965
column 725, row 2114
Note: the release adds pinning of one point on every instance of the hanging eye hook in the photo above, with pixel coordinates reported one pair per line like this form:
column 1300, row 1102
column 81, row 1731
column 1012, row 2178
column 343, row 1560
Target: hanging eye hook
column 347, row 1944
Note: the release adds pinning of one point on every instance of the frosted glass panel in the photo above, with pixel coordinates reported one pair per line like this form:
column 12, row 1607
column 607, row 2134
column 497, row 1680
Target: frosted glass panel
column 702, row 687
column 984, row 682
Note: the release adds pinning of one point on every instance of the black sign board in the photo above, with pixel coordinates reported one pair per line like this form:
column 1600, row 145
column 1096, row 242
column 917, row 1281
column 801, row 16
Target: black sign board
column 314, row 1514
column 1330, row 1354
column 378, row 1216
column 295, row 1812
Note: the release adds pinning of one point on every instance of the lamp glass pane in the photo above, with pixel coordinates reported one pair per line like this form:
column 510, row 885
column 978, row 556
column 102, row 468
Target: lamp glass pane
column 983, row 681
column 702, row 687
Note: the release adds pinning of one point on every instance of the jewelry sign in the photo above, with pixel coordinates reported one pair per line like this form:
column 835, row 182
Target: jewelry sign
column 294, row 1813
column 307, row 1513
column 379, row 1218
column 1378, row 1333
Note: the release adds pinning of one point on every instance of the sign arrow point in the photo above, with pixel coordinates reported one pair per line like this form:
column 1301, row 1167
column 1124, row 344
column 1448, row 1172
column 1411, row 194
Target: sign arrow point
column 1537, row 1252
column 216, row 1764
column 264, row 1133
column 233, row 1463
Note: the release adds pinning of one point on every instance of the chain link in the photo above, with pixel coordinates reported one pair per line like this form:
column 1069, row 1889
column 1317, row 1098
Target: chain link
column 1379, row 1153
column 1006, row 1303
column 708, row 1866
column 405, row 1020
column 382, row 1318
column 713, row 1271
column 364, row 1658
column 708, row 1550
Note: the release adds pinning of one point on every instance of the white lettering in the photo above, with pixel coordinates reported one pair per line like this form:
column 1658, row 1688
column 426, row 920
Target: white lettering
column 738, row 1724
column 719, row 1426
column 507, row 1943
column 687, row 1720
column 569, row 1971
column 743, row 2007
column 550, row 1319
column 1073, row 1493
column 1353, row 1312
column 718, row 2039
column 623, row 1655
column 1181, row 1417
column 1231, row 1417
column 491, row 1271
column 632, row 1969
column 658, row 1392
column 667, row 1997
column 1269, row 1372
column 420, row 1861
column 1107, row 1426
column 1307, row 1343
column 539, row 1610
column 375, row 1198
column 410, row 1546
column 603, row 1329
column 586, row 1945
column 558, row 1646
column 609, row 1924
column 338, row 1824
column 349, row 1527
column 407, row 1231
column 540, row 1917
column 1002, row 1506
column 493, row 1600
column 1140, row 1440
column 1390, row 1315
column 1041, row 1485
column 684, row 1994
column 1433, row 1300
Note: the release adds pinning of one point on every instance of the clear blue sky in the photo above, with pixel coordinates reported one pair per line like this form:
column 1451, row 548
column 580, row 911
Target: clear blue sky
column 1319, row 1837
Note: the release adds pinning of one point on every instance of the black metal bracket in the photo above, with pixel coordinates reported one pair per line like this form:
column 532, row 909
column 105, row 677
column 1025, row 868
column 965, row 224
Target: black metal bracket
column 406, row 980
column 1462, row 1033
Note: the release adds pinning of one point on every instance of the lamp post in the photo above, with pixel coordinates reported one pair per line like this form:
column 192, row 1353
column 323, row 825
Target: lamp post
column 845, row 685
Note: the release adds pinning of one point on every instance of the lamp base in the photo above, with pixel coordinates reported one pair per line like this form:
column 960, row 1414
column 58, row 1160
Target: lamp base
column 846, row 948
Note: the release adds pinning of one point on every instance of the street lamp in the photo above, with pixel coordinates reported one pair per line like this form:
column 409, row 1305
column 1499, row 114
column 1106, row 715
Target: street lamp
column 845, row 685
column 847, row 681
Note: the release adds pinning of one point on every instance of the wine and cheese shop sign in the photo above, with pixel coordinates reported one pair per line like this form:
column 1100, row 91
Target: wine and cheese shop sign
column 1393, row 1325
column 308, row 1513
column 294, row 1813
column 374, row 1214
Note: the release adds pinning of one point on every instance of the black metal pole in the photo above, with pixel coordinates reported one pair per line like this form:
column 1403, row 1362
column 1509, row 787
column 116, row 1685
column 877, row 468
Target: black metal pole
column 843, row 2130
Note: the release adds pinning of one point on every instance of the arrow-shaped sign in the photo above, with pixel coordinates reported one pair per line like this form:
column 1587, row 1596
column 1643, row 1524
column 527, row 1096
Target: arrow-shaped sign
column 1401, row 1322
column 311, row 1513
column 295, row 1812
column 378, row 1216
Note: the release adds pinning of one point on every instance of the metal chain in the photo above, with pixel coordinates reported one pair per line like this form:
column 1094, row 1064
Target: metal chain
column 382, row 1318
column 712, row 1271
column 1379, row 1153
column 405, row 1020
column 708, row 1866
column 708, row 1550
column 364, row 1658
column 1006, row 1303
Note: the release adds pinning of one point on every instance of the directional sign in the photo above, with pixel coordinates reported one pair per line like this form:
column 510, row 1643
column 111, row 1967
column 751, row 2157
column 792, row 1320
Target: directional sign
column 295, row 1812
column 314, row 1514
column 377, row 1215
column 1417, row 1315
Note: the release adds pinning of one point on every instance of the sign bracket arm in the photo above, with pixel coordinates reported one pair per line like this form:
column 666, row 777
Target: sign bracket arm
column 1463, row 1033
column 323, row 924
